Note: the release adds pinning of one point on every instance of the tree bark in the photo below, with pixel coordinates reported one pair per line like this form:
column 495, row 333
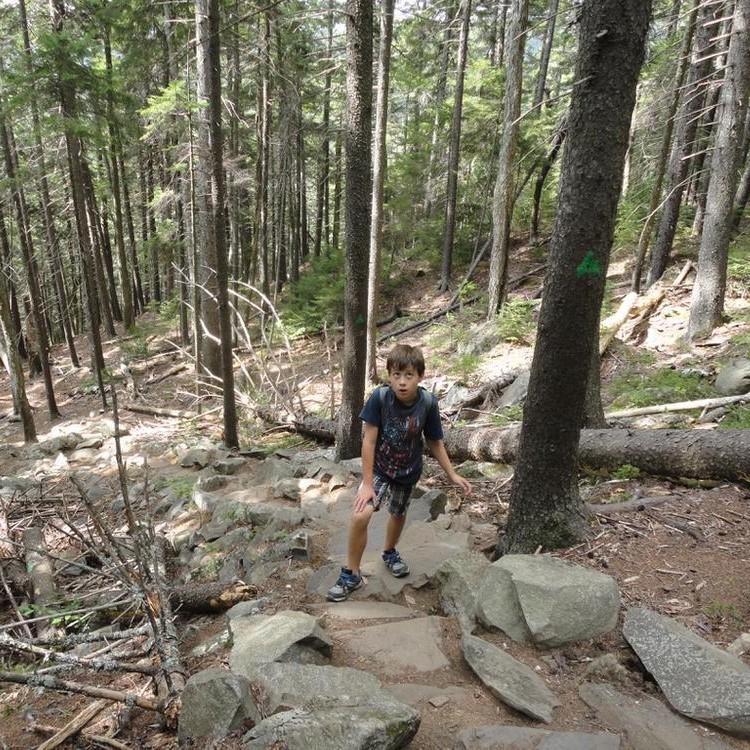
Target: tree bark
column 75, row 159
column 694, row 99
column 666, row 139
column 322, row 218
column 379, row 167
column 358, row 216
column 707, row 303
column 454, row 152
column 30, row 264
column 549, row 35
column 545, row 507
column 502, row 202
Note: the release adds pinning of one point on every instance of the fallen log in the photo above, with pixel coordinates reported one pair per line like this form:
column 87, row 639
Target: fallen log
column 157, row 412
column 702, row 403
column 697, row 454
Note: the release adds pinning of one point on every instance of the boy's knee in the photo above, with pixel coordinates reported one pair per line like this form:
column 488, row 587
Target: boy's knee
column 362, row 518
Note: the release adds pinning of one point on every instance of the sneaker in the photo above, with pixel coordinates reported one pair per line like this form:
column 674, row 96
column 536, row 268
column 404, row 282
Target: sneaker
column 395, row 564
column 346, row 583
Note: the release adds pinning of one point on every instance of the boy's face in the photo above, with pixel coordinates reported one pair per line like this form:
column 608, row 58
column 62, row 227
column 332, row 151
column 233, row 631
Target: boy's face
column 404, row 382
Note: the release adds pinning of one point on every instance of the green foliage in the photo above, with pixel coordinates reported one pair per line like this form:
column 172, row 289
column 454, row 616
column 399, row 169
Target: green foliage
column 466, row 365
column 626, row 471
column 515, row 321
column 169, row 309
column 738, row 267
column 737, row 417
column 180, row 486
column 135, row 347
column 507, row 415
column 317, row 297
column 721, row 610
column 655, row 387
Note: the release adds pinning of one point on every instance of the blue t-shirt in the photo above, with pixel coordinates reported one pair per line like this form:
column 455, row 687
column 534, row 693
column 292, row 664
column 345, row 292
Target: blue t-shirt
column 398, row 451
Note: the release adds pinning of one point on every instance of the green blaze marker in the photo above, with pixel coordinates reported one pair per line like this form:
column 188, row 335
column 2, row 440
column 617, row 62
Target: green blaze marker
column 589, row 266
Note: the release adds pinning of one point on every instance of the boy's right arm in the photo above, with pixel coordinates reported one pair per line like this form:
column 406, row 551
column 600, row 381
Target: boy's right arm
column 366, row 491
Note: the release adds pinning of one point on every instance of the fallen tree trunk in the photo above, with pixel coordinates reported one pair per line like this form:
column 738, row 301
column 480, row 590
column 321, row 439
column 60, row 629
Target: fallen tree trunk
column 698, row 454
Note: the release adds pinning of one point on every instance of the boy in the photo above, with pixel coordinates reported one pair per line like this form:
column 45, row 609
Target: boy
column 395, row 416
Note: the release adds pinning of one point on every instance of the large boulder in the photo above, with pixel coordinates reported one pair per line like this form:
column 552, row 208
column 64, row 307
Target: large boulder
column 547, row 600
column 371, row 726
column 509, row 680
column 500, row 737
column 214, row 703
column 646, row 722
column 698, row 679
column 734, row 378
column 458, row 579
column 285, row 636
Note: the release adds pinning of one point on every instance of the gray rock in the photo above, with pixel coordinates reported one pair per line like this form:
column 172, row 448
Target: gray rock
column 515, row 393
column 367, row 727
column 213, row 644
column 356, row 610
column 497, row 604
column 214, row 703
column 397, row 647
column 556, row 601
column 299, row 546
column 280, row 687
column 734, row 377
column 697, row 678
column 353, row 465
column 454, row 396
column 458, row 579
column 437, row 500
column 228, row 465
column 211, row 482
column 500, row 737
column 509, row 680
column 288, row 488
column 248, row 609
column 273, row 470
column 17, row 484
column 740, row 645
column 67, row 442
column 257, row 514
column 483, row 337
column 200, row 457
column 285, row 636
column 646, row 722
column 205, row 501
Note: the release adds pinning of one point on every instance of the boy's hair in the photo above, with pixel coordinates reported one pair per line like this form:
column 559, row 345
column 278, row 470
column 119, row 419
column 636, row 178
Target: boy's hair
column 403, row 356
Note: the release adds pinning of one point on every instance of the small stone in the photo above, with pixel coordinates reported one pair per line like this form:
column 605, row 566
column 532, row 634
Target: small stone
column 247, row 609
column 439, row 701
column 228, row 465
column 740, row 645
column 299, row 546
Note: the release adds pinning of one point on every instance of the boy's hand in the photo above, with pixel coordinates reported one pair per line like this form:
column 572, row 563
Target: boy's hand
column 365, row 493
column 461, row 482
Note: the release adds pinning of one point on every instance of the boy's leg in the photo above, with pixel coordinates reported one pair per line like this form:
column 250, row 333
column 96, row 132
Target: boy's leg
column 357, row 539
column 393, row 530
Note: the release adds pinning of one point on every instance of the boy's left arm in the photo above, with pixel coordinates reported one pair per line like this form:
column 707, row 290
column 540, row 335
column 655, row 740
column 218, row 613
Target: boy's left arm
column 437, row 448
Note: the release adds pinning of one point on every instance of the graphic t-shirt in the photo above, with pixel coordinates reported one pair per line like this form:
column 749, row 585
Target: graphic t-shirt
column 398, row 451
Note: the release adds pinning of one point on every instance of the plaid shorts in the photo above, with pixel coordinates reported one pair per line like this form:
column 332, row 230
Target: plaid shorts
column 397, row 496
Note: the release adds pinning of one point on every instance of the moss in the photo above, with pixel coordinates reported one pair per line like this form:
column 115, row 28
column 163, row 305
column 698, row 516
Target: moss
column 655, row 387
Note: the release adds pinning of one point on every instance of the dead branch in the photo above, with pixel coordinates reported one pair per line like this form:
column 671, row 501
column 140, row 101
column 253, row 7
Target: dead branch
column 639, row 503
column 157, row 412
column 78, row 638
column 39, row 568
column 105, row 665
column 703, row 403
column 75, row 725
column 168, row 374
column 67, row 686
column 210, row 597
column 612, row 324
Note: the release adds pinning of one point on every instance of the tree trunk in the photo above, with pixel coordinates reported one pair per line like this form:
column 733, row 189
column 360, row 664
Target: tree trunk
column 442, row 80
column 75, row 158
column 53, row 250
column 139, row 300
column 358, row 199
column 336, row 221
column 9, row 335
column 502, row 203
column 707, row 303
column 213, row 53
column 545, row 507
column 696, row 454
column 205, row 230
column 29, row 261
column 498, row 33
column 557, row 141
column 379, row 167
column 127, row 290
column 666, row 139
column 321, row 195
column 455, row 149
column 693, row 101
column 549, row 35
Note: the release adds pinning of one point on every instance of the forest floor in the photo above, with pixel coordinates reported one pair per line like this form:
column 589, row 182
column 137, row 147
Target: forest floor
column 695, row 570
